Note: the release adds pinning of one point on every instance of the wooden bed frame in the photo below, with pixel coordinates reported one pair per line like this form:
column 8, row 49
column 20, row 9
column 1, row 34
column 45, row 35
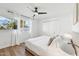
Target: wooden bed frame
column 31, row 52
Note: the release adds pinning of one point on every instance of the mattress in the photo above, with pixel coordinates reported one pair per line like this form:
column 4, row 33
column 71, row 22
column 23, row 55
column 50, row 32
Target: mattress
column 40, row 46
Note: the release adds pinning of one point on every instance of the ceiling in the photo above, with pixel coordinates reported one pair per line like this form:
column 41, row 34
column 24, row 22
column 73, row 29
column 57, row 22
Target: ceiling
column 53, row 9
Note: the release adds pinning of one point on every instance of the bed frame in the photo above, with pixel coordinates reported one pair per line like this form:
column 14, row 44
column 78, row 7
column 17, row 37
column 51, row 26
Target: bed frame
column 30, row 51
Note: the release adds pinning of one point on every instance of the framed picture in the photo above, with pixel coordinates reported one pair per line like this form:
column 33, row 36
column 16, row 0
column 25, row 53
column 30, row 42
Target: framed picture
column 21, row 24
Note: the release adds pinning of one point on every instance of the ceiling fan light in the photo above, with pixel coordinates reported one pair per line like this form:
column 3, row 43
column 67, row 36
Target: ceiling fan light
column 35, row 13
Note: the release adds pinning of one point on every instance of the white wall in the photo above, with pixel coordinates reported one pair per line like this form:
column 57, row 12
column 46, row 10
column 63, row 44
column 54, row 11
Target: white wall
column 57, row 25
column 35, row 28
column 9, row 38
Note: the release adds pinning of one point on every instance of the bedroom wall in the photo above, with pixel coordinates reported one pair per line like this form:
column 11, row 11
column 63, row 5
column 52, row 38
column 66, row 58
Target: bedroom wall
column 57, row 25
column 6, row 36
column 35, row 28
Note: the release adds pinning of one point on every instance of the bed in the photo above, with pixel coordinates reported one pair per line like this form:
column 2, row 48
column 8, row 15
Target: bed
column 39, row 47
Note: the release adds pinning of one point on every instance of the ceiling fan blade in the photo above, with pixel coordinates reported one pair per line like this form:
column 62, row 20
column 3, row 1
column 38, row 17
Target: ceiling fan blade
column 42, row 12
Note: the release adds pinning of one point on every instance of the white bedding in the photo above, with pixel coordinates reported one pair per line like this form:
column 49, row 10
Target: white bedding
column 40, row 46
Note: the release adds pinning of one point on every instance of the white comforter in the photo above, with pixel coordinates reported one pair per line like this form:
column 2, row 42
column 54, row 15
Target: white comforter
column 40, row 46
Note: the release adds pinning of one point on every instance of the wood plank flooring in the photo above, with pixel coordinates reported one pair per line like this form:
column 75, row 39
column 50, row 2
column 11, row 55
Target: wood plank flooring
column 15, row 51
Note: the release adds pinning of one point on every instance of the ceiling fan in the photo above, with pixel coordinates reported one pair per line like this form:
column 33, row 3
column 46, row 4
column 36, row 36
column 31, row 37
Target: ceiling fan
column 36, row 12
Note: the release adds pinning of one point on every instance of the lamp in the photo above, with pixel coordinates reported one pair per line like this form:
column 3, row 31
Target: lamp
column 75, row 28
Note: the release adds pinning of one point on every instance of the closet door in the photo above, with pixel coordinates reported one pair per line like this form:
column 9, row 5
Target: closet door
column 50, row 28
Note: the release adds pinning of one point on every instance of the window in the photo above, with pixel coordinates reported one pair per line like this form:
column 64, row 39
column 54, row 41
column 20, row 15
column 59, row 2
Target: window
column 27, row 24
column 6, row 23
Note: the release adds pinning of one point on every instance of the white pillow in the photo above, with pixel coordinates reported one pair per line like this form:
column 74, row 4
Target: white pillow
column 59, row 40
column 65, row 38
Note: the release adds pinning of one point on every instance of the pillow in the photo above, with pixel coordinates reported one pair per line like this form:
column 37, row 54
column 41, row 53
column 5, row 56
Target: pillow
column 65, row 38
column 51, row 40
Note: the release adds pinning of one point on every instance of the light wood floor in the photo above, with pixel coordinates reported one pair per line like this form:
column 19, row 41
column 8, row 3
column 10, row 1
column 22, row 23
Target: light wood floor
column 15, row 51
